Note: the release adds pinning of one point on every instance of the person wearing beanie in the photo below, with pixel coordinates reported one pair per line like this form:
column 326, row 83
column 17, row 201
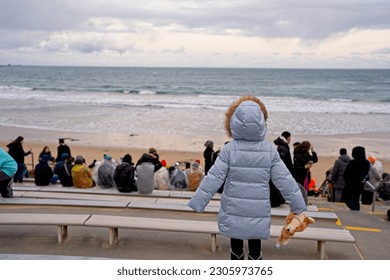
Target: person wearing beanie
column 209, row 155
column 354, row 176
column 81, row 174
column 245, row 165
column 124, row 175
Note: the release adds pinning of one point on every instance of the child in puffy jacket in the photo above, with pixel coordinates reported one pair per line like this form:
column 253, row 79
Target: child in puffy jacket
column 246, row 165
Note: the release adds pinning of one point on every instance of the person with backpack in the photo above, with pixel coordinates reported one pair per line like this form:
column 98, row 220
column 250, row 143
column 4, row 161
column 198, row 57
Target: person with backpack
column 124, row 175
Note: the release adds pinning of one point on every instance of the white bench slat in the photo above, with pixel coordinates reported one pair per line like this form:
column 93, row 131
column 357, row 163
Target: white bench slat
column 321, row 235
column 116, row 222
column 110, row 191
column 62, row 221
column 152, row 203
column 65, row 202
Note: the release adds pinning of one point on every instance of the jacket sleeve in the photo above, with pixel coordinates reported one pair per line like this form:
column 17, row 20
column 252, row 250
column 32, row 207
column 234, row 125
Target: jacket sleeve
column 284, row 181
column 210, row 183
column 335, row 171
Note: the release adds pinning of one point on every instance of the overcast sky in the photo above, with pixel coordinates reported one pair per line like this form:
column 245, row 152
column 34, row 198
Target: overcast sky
column 196, row 33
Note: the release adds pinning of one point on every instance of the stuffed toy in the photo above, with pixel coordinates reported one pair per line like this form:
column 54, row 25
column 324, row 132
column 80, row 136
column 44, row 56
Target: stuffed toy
column 294, row 223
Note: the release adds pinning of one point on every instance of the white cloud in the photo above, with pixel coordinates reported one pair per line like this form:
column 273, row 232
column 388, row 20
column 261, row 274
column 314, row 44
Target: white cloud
column 232, row 33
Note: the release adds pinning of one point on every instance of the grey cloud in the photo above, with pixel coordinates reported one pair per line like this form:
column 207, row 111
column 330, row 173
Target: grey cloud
column 304, row 19
column 383, row 51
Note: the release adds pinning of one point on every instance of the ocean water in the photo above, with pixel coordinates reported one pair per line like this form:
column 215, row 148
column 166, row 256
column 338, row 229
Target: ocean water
column 192, row 101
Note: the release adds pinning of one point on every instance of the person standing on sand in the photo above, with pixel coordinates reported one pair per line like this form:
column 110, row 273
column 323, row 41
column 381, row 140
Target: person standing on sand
column 246, row 165
column 304, row 158
column 284, row 150
column 62, row 149
column 338, row 174
column 209, row 155
column 17, row 152
column 355, row 174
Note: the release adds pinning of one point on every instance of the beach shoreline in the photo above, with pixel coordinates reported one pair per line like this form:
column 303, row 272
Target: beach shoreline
column 182, row 148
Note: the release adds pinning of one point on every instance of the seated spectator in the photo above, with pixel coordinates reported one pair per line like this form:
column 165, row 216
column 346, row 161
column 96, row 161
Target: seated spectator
column 81, row 174
column 46, row 153
column 161, row 179
column 105, row 173
column 43, row 172
column 124, row 175
column 384, row 187
column 177, row 178
column 145, row 174
column 65, row 171
column 194, row 176
column 373, row 182
column 155, row 158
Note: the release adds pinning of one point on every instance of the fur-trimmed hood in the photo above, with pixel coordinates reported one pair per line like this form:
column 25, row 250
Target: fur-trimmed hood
column 246, row 119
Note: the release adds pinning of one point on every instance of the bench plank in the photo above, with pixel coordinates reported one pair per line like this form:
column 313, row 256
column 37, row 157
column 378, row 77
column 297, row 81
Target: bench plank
column 62, row 221
column 321, row 235
column 115, row 222
column 151, row 203
column 65, row 202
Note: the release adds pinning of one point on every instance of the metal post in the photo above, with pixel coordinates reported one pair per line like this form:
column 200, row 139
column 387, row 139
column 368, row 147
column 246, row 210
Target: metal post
column 373, row 195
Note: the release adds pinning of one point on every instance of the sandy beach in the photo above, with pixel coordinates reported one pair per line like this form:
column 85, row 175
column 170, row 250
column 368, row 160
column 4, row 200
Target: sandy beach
column 173, row 148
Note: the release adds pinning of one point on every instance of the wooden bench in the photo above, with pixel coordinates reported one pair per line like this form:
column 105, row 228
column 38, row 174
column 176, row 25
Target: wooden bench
column 189, row 226
column 64, row 202
column 62, row 221
column 321, row 235
column 179, row 205
column 110, row 191
column 113, row 223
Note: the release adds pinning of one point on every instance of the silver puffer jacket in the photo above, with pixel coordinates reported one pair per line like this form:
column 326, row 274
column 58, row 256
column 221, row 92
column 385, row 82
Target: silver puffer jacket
column 246, row 164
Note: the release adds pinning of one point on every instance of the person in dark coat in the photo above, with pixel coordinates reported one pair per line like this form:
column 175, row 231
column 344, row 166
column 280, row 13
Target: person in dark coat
column 304, row 156
column 209, row 155
column 282, row 143
column 62, row 149
column 43, row 172
column 124, row 175
column 64, row 170
column 284, row 150
column 355, row 174
column 16, row 151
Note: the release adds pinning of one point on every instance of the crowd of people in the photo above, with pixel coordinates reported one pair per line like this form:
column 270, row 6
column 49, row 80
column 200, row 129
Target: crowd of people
column 353, row 185
column 250, row 172
column 147, row 174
